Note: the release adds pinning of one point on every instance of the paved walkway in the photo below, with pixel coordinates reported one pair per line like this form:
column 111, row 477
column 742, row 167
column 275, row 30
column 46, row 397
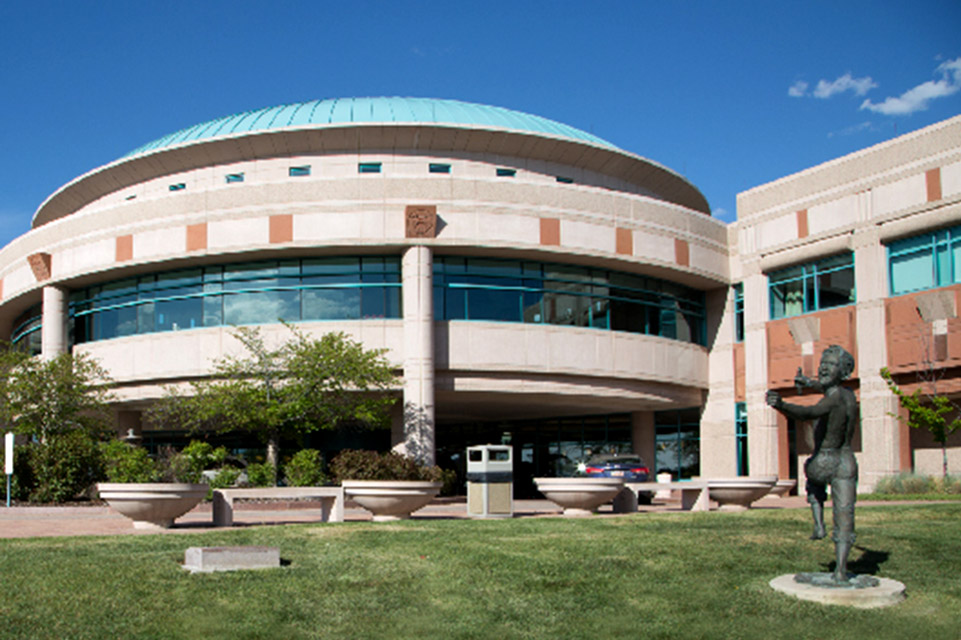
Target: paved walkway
column 33, row 522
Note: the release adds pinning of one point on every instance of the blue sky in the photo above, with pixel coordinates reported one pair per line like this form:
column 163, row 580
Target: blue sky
column 730, row 94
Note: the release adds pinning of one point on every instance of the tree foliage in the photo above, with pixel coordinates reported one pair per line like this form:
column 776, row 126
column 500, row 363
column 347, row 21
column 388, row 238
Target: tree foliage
column 44, row 398
column 928, row 410
column 304, row 385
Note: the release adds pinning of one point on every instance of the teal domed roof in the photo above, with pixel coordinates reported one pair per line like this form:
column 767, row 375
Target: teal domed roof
column 348, row 111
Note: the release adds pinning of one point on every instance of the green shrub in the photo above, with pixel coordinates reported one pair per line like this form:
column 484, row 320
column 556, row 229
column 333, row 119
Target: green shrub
column 64, row 466
column 189, row 464
column 225, row 477
column 352, row 464
column 261, row 474
column 305, row 469
column 914, row 484
column 22, row 482
column 126, row 463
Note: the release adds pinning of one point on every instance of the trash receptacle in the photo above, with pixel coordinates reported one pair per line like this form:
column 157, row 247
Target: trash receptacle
column 490, row 481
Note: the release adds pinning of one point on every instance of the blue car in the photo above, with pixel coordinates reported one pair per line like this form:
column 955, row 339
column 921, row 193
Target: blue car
column 629, row 466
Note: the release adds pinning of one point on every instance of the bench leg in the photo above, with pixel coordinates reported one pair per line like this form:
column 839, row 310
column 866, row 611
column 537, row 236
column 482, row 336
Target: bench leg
column 695, row 499
column 223, row 510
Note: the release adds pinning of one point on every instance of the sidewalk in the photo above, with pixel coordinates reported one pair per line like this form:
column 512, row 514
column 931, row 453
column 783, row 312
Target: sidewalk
column 35, row 522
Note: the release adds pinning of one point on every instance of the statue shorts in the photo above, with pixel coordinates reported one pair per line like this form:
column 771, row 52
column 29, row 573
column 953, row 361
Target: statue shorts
column 839, row 468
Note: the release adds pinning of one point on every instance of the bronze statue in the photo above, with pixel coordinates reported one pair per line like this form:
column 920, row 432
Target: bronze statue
column 833, row 460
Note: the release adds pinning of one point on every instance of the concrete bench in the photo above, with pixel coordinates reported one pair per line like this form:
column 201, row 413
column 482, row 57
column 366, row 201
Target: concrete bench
column 331, row 501
column 694, row 494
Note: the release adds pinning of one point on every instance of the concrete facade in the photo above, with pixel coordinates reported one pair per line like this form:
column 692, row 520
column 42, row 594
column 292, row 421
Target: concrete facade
column 445, row 191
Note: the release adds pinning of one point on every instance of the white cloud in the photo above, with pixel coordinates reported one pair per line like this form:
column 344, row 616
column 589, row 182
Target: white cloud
column 798, row 89
column 855, row 128
column 859, row 86
column 721, row 214
column 917, row 99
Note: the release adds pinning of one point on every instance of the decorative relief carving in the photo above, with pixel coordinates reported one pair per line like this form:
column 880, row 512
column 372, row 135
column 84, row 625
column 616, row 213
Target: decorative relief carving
column 420, row 221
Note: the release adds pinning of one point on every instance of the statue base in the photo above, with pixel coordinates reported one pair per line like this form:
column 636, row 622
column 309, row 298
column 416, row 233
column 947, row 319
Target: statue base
column 862, row 592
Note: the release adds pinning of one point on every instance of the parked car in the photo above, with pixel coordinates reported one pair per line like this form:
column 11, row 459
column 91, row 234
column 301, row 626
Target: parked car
column 629, row 466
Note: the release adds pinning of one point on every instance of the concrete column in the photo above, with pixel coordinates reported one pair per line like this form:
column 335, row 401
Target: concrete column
column 718, row 442
column 880, row 432
column 762, row 433
column 642, row 437
column 419, row 429
column 53, row 335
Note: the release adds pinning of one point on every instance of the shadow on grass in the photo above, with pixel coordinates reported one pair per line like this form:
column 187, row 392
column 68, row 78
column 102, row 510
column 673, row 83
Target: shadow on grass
column 868, row 563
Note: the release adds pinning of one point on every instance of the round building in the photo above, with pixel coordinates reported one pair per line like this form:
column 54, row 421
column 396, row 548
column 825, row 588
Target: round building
column 532, row 283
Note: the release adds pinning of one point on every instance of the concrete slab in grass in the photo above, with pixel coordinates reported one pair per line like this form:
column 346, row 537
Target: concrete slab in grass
column 207, row 559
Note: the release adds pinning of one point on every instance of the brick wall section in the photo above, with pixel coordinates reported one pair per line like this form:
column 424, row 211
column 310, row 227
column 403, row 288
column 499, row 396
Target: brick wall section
column 197, row 237
column 837, row 326
column 550, row 232
column 124, row 248
column 908, row 335
column 281, row 228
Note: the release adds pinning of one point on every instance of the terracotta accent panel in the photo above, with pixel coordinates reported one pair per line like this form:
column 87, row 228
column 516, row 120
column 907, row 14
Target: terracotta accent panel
column 908, row 335
column 740, row 387
column 838, row 327
column 420, row 221
column 124, row 248
column 682, row 252
column 197, row 236
column 624, row 242
column 904, row 440
column 802, row 223
column 932, row 179
column 551, row 232
column 281, row 228
column 40, row 265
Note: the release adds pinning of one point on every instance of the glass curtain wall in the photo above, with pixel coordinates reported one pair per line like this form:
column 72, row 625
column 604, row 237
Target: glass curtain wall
column 926, row 261
column 348, row 288
column 814, row 286
column 540, row 293
column 677, row 443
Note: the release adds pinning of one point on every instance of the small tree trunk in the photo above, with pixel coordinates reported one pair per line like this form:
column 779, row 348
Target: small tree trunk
column 273, row 454
column 944, row 461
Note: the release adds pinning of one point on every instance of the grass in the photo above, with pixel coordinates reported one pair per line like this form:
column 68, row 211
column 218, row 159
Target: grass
column 671, row 575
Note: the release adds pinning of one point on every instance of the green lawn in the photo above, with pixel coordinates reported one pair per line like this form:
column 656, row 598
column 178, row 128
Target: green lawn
column 669, row 575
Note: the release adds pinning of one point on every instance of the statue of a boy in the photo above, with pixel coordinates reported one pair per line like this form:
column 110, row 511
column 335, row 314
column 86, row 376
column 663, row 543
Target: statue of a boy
column 833, row 460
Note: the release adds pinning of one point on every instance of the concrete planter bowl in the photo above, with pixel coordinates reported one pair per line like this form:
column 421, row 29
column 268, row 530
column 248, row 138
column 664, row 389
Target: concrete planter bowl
column 783, row 487
column 391, row 500
column 737, row 494
column 579, row 496
column 152, row 505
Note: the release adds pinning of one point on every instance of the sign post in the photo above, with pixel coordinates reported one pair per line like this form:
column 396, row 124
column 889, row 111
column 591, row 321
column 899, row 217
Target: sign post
column 8, row 461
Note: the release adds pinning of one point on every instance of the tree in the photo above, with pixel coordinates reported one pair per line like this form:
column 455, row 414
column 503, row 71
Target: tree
column 304, row 385
column 928, row 410
column 46, row 398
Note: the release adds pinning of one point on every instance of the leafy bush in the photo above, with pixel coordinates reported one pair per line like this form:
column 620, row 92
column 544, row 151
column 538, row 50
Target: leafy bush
column 352, row 464
column 126, row 463
column 909, row 483
column 261, row 474
column 225, row 477
column 64, row 466
column 305, row 469
column 22, row 482
column 189, row 464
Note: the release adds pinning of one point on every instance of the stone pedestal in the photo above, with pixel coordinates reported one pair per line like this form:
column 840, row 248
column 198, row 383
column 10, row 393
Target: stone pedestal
column 883, row 594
